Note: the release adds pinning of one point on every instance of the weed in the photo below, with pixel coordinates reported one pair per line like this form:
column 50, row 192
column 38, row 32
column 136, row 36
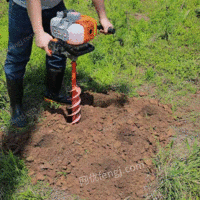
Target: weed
column 178, row 176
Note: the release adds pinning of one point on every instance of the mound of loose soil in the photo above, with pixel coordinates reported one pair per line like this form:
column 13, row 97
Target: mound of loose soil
column 106, row 155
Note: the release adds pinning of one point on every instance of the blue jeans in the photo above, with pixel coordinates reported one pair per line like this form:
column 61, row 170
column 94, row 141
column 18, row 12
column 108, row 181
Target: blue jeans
column 21, row 39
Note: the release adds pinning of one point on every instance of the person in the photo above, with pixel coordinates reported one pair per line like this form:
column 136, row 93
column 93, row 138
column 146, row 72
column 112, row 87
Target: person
column 26, row 19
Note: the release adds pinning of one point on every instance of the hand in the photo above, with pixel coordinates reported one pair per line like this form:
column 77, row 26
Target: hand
column 42, row 40
column 106, row 24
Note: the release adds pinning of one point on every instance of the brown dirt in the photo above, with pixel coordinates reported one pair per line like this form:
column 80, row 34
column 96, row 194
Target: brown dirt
column 110, row 149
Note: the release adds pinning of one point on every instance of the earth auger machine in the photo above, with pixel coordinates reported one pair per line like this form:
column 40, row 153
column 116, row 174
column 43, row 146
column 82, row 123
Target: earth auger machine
column 72, row 32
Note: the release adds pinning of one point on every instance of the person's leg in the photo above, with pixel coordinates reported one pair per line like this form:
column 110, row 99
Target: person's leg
column 55, row 64
column 19, row 50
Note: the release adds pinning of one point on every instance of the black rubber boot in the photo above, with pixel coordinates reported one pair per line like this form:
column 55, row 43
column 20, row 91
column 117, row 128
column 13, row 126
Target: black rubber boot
column 54, row 81
column 15, row 92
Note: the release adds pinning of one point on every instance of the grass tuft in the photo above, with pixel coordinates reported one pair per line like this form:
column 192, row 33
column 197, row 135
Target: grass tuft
column 178, row 173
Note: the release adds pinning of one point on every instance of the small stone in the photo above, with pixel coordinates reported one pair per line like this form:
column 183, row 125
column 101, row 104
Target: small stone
column 66, row 162
column 152, row 178
column 67, row 129
column 50, row 180
column 171, row 132
column 123, row 157
column 151, row 139
column 117, row 144
column 40, row 177
column 133, row 128
column 30, row 159
column 146, row 145
column 50, row 131
column 167, row 108
column 129, row 121
column 141, row 128
column 41, row 161
column 139, row 117
column 69, row 185
column 60, row 126
column 162, row 138
column 155, row 133
column 154, row 101
column 64, row 187
column 98, row 127
column 142, row 94
column 63, row 179
column 46, row 166
column 142, row 150
column 170, row 111
column 73, row 164
column 108, row 193
column 51, row 173
column 148, row 162
column 139, row 193
column 64, row 167
column 120, row 123
column 180, row 124
column 59, row 183
column 95, row 138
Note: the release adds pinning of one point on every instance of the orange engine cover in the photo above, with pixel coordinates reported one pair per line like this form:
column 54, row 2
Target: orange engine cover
column 90, row 27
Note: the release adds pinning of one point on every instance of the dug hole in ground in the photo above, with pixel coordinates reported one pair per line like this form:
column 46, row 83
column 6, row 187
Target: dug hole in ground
column 105, row 156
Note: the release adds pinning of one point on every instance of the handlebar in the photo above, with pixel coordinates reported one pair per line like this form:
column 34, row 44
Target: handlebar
column 110, row 30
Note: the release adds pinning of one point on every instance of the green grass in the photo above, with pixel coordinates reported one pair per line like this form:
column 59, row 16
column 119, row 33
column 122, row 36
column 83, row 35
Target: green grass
column 15, row 183
column 178, row 171
column 161, row 53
